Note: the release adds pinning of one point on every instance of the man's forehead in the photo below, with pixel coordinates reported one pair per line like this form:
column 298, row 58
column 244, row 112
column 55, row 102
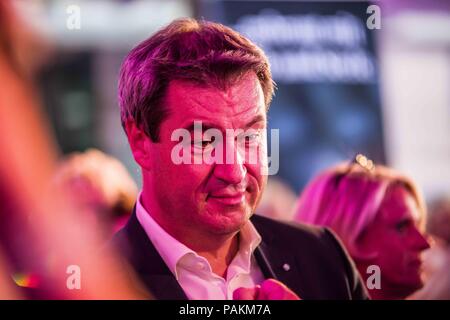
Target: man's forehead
column 241, row 98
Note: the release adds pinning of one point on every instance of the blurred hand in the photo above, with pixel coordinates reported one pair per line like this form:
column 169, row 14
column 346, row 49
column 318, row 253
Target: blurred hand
column 270, row 289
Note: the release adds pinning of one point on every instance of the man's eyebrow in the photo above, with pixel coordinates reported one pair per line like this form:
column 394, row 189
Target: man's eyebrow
column 258, row 118
column 205, row 126
column 209, row 125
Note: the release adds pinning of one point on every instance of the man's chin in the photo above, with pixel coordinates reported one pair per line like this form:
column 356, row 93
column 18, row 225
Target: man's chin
column 228, row 222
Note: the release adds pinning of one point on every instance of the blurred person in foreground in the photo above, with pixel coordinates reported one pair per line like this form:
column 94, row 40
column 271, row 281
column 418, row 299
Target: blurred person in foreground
column 380, row 216
column 99, row 185
column 193, row 234
column 41, row 234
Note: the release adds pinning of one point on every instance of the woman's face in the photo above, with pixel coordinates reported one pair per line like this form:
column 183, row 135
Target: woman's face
column 396, row 241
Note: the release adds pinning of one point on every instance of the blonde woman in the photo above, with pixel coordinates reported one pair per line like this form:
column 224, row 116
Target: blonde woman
column 379, row 215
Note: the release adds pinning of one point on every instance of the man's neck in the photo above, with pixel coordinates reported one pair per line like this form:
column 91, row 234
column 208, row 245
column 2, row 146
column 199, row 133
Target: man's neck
column 218, row 250
column 220, row 258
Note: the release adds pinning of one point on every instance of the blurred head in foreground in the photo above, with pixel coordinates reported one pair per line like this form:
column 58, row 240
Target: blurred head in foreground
column 379, row 214
column 99, row 184
column 41, row 234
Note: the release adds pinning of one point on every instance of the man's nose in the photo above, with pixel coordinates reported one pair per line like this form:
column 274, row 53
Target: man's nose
column 232, row 170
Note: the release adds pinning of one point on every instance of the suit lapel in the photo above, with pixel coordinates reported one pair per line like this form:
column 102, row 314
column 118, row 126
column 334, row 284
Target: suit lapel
column 147, row 263
column 272, row 257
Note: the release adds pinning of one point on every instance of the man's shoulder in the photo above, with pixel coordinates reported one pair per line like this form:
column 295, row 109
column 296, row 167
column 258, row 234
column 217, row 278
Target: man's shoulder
column 290, row 230
column 319, row 255
column 302, row 240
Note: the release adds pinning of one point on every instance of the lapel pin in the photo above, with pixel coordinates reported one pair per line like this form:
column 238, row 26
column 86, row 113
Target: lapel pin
column 286, row 267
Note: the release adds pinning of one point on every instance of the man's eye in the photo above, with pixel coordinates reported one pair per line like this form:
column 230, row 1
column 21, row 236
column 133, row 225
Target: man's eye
column 251, row 138
column 202, row 144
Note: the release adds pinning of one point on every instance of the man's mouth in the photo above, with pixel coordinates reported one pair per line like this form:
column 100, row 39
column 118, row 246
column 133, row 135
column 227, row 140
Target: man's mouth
column 228, row 198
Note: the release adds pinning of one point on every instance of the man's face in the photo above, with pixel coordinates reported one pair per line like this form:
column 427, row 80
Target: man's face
column 396, row 238
column 210, row 197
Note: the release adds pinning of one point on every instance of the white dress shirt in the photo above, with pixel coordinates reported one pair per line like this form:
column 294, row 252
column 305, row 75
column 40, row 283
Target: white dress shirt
column 193, row 272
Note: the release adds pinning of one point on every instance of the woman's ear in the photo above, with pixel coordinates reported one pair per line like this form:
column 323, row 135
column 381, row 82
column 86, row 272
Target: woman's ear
column 361, row 250
column 140, row 144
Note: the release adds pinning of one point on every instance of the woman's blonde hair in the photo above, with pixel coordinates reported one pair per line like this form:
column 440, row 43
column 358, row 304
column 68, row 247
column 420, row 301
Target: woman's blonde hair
column 347, row 198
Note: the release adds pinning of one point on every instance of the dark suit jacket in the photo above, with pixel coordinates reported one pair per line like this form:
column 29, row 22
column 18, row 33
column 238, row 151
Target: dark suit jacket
column 319, row 267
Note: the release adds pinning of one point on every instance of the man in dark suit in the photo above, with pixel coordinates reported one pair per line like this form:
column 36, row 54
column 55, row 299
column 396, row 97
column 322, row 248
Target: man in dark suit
column 309, row 260
column 194, row 99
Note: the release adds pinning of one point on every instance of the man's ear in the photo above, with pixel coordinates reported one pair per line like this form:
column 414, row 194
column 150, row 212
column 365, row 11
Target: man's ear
column 140, row 144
